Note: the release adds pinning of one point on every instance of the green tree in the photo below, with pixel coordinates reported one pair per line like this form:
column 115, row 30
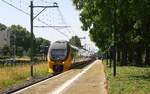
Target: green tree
column 75, row 40
column 42, row 45
column 5, row 50
column 2, row 27
column 131, row 38
column 19, row 51
column 19, row 37
column 20, row 41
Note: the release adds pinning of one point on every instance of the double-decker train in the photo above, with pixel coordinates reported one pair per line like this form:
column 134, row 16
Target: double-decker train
column 60, row 56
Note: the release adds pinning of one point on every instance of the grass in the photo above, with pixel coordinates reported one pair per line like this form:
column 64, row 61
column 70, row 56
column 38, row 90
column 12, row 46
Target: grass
column 129, row 80
column 16, row 75
column 41, row 70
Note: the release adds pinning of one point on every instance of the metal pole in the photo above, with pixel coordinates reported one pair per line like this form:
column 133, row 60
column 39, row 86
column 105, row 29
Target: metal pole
column 114, row 50
column 32, row 35
column 14, row 47
column 107, row 57
column 31, row 22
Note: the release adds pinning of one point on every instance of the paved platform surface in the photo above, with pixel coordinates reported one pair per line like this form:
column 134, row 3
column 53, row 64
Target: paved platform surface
column 87, row 80
column 92, row 82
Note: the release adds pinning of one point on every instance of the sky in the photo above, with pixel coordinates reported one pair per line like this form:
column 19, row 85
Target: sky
column 10, row 15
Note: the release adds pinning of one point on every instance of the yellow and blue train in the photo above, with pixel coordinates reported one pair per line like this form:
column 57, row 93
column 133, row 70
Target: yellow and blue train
column 60, row 56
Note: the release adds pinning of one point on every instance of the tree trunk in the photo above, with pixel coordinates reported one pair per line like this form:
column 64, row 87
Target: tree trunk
column 118, row 56
column 111, row 59
column 124, row 57
column 110, row 63
column 147, row 57
column 131, row 57
column 107, row 57
column 138, row 58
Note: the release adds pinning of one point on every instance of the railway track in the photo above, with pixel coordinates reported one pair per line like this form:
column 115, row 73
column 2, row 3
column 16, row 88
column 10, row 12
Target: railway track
column 40, row 80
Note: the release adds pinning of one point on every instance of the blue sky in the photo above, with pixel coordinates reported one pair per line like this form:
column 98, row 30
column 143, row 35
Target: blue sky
column 11, row 16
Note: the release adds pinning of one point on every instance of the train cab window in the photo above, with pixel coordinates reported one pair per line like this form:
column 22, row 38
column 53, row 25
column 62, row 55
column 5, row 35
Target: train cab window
column 58, row 54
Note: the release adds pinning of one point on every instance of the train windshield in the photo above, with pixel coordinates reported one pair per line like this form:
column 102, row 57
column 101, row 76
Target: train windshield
column 58, row 52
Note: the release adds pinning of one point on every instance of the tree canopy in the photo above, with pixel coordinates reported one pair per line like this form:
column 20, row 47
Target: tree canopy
column 2, row 27
column 19, row 36
column 42, row 45
column 20, row 41
column 132, row 35
column 75, row 40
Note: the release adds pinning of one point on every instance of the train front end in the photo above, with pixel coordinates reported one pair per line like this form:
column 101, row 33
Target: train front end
column 59, row 57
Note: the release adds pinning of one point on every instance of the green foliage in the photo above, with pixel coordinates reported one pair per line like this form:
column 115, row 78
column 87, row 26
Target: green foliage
column 97, row 18
column 5, row 50
column 132, row 32
column 19, row 36
column 2, row 27
column 20, row 41
column 42, row 45
column 19, row 51
column 75, row 40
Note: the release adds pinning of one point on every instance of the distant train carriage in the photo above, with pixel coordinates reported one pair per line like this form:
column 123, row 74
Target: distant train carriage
column 60, row 56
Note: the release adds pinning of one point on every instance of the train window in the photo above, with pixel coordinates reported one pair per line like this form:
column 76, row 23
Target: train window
column 58, row 52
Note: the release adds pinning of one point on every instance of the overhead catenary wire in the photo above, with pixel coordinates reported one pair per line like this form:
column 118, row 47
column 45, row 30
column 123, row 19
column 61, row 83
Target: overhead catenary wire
column 46, row 1
column 16, row 7
column 38, row 19
column 61, row 32
column 35, row 19
column 43, row 22
column 64, row 21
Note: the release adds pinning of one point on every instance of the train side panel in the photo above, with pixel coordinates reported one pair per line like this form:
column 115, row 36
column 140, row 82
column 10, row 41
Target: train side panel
column 68, row 63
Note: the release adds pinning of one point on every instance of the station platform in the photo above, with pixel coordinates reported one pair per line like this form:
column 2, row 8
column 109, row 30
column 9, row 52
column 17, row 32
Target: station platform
column 89, row 79
column 92, row 82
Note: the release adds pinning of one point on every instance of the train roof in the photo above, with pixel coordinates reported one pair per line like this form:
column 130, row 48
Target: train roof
column 60, row 45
